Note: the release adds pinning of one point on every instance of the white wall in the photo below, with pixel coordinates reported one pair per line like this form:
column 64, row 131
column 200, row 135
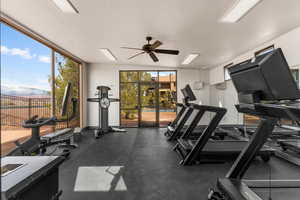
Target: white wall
column 227, row 98
column 108, row 74
column 290, row 44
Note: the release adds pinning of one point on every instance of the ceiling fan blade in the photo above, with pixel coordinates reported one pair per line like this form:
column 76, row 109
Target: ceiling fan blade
column 136, row 55
column 166, row 51
column 131, row 48
column 153, row 56
column 156, row 44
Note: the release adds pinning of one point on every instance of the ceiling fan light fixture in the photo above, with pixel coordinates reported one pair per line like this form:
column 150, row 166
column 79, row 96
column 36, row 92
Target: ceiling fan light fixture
column 190, row 58
column 108, row 54
column 239, row 10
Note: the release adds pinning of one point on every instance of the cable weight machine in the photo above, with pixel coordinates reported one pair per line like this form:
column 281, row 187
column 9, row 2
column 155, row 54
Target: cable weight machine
column 104, row 101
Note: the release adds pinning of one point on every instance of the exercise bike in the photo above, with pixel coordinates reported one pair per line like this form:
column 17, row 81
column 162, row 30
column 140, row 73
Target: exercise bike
column 37, row 144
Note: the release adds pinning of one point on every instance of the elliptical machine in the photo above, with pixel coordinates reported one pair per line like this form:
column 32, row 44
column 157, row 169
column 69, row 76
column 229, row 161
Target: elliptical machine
column 36, row 144
column 103, row 104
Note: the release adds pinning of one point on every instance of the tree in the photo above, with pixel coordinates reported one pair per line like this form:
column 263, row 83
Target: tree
column 129, row 92
column 67, row 70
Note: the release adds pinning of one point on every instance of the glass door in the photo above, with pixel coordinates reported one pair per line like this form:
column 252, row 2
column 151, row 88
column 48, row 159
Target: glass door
column 148, row 105
column 129, row 101
column 167, row 97
column 147, row 98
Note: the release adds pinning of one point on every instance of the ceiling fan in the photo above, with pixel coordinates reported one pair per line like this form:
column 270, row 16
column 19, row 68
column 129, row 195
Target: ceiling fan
column 151, row 49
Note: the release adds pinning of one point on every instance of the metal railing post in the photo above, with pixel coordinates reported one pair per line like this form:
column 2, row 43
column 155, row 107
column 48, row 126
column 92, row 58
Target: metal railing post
column 29, row 108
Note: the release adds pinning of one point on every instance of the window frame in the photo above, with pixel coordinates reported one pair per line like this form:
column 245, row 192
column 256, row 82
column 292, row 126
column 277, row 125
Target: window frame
column 54, row 49
column 264, row 50
column 226, row 73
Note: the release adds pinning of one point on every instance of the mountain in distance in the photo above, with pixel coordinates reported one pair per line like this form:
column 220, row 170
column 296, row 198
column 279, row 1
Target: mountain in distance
column 23, row 91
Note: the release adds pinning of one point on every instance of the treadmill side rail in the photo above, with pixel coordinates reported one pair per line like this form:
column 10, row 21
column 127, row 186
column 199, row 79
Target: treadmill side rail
column 234, row 189
column 208, row 132
column 179, row 115
column 181, row 124
column 245, row 158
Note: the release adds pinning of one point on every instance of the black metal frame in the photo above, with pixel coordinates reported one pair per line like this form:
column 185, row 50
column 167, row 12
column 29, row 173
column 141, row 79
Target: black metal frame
column 191, row 156
column 179, row 115
column 263, row 131
column 174, row 134
column 139, row 82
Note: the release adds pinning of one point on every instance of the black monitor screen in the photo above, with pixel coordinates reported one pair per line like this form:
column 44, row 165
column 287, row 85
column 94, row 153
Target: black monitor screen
column 268, row 74
column 66, row 99
column 188, row 93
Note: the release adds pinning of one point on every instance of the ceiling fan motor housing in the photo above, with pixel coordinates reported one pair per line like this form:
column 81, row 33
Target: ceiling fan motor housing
column 149, row 38
column 147, row 48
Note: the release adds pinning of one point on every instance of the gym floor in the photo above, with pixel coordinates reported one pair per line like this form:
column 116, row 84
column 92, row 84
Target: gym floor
column 151, row 170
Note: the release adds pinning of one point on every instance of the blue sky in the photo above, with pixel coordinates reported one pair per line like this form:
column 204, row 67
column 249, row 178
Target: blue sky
column 24, row 61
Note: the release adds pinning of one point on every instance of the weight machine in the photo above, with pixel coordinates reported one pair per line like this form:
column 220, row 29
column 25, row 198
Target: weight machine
column 104, row 101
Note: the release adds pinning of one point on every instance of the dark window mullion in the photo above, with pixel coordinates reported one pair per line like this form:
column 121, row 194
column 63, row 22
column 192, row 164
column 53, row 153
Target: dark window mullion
column 52, row 82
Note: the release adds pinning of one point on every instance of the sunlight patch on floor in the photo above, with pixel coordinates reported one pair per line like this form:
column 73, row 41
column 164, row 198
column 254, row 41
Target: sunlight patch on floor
column 100, row 179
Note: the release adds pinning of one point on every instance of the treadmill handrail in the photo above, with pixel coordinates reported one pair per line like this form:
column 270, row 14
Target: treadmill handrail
column 207, row 133
column 208, row 108
column 288, row 112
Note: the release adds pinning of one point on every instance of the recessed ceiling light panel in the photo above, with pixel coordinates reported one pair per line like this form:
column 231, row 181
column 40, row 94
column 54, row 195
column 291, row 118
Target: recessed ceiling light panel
column 66, row 6
column 190, row 58
column 108, row 54
column 239, row 9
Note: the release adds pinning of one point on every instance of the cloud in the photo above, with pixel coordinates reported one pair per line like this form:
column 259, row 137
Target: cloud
column 45, row 59
column 24, row 53
column 4, row 50
column 35, row 83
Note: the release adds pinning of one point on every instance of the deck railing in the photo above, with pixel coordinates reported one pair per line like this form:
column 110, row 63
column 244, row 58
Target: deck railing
column 16, row 109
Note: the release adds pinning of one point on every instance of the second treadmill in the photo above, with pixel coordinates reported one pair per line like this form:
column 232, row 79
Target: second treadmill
column 206, row 150
column 177, row 128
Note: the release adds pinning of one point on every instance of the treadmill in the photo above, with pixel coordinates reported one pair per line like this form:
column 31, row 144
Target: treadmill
column 177, row 128
column 260, row 94
column 279, row 132
column 206, row 150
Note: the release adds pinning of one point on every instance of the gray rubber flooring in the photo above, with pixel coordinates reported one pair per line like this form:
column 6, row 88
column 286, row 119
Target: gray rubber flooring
column 151, row 170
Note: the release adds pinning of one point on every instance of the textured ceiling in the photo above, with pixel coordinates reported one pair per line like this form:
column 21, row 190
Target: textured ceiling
column 190, row 26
